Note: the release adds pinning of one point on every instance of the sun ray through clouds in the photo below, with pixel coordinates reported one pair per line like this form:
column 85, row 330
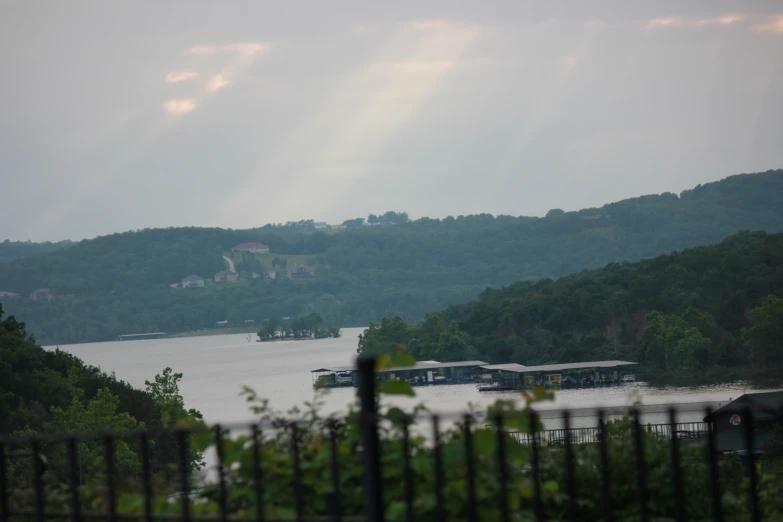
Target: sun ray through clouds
column 363, row 111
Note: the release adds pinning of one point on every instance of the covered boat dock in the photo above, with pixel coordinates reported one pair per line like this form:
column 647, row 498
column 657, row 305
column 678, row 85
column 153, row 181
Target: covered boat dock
column 580, row 374
column 141, row 336
column 422, row 373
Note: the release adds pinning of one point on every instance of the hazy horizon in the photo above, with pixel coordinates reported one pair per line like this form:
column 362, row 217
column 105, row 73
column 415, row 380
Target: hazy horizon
column 119, row 117
column 379, row 212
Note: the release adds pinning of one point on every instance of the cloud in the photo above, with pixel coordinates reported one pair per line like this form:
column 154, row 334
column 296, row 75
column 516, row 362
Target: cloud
column 362, row 28
column 247, row 48
column 440, row 24
column 216, row 83
column 595, row 24
column 428, row 25
column 663, row 22
column 202, row 49
column 180, row 76
column 773, row 24
column 569, row 62
column 177, row 106
column 242, row 48
column 723, row 20
column 413, row 67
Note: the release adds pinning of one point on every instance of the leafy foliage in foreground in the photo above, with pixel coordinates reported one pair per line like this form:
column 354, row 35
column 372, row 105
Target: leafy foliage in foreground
column 45, row 392
column 313, row 433
column 119, row 283
column 709, row 308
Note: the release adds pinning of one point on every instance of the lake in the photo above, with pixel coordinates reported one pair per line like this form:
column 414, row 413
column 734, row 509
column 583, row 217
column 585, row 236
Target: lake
column 216, row 367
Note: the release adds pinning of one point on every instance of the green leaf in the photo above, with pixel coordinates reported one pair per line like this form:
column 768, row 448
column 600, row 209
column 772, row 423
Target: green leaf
column 382, row 362
column 201, row 440
column 484, row 441
column 397, row 388
column 402, row 360
column 396, row 415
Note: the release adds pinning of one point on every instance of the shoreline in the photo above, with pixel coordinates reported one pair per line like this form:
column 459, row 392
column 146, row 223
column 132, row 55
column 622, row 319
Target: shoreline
column 221, row 331
column 278, row 339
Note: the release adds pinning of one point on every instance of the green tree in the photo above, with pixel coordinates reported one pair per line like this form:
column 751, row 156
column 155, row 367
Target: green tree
column 353, row 223
column 270, row 329
column 164, row 390
column 94, row 416
column 673, row 345
column 765, row 335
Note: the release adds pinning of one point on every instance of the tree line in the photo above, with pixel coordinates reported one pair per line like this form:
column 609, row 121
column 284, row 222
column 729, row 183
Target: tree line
column 704, row 312
column 47, row 392
column 311, row 325
column 10, row 250
column 119, row 283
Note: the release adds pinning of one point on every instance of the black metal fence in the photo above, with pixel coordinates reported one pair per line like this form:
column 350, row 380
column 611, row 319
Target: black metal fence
column 558, row 437
column 377, row 489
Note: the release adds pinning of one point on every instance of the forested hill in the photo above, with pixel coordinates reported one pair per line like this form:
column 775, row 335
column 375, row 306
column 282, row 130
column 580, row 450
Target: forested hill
column 713, row 308
column 120, row 283
column 10, row 250
column 46, row 392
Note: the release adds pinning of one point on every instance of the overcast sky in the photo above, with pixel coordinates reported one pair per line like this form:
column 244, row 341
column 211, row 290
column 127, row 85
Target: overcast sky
column 126, row 115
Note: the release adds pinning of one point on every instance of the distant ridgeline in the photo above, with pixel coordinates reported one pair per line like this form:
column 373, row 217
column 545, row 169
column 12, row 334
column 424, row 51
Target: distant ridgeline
column 359, row 271
column 705, row 312
column 10, row 250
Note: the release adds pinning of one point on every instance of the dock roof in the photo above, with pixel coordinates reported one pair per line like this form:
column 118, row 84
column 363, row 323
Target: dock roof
column 518, row 368
column 509, row 367
column 417, row 366
column 764, row 403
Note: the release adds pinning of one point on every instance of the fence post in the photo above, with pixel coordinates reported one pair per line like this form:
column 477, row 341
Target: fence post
column 373, row 494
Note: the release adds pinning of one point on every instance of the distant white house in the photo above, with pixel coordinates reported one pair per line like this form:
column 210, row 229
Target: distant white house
column 320, row 225
column 8, row 296
column 253, row 248
column 42, row 294
column 226, row 277
column 265, row 274
column 301, row 272
column 193, row 281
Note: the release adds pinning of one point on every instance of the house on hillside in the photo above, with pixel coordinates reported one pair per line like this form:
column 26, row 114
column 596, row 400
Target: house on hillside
column 301, row 272
column 42, row 294
column 226, row 277
column 597, row 220
column 320, row 225
column 253, row 248
column 8, row 296
column 265, row 274
column 730, row 421
column 193, row 281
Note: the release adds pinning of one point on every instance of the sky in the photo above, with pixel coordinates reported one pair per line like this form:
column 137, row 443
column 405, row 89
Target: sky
column 125, row 115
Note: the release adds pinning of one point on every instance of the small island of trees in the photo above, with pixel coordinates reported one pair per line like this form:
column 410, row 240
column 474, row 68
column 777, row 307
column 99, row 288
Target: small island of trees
column 299, row 328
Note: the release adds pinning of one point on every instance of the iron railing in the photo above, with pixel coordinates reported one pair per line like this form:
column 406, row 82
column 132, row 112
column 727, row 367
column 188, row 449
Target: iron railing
column 557, row 437
column 376, row 490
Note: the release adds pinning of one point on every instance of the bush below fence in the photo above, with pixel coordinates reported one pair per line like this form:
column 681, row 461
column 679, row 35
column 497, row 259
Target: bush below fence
column 371, row 465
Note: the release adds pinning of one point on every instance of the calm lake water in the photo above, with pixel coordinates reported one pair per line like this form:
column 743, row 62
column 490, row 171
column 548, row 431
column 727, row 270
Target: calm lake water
column 216, row 367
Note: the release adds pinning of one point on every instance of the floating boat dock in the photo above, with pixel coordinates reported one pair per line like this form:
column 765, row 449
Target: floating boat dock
column 421, row 374
column 489, row 377
column 139, row 337
column 513, row 376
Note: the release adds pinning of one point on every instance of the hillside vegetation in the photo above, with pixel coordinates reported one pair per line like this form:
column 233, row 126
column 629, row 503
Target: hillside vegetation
column 119, row 283
column 10, row 250
column 712, row 308
column 45, row 391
